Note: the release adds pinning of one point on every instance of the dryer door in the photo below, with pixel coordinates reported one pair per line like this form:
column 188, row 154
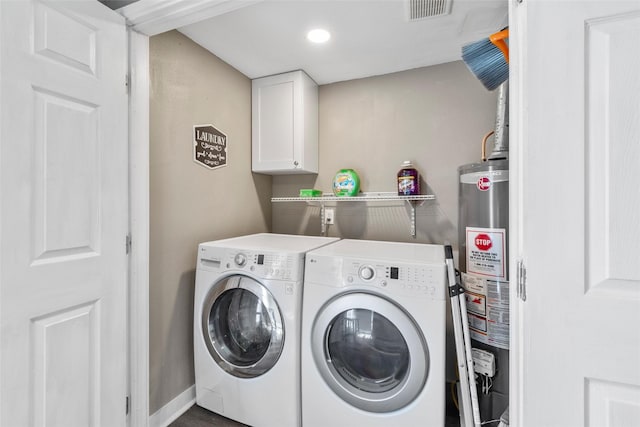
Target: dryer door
column 370, row 352
column 242, row 326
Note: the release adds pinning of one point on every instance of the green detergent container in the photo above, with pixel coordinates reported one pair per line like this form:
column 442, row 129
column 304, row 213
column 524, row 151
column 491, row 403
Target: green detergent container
column 346, row 183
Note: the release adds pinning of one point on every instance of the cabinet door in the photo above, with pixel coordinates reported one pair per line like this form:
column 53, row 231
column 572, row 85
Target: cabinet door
column 284, row 124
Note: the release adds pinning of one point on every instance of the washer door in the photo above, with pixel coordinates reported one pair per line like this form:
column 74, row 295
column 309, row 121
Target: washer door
column 242, row 326
column 370, row 352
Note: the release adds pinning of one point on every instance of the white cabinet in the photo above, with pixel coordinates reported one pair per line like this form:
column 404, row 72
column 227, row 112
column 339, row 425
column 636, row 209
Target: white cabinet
column 284, row 119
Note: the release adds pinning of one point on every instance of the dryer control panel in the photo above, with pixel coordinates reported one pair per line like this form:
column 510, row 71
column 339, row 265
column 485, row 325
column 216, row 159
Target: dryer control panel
column 265, row 265
column 399, row 279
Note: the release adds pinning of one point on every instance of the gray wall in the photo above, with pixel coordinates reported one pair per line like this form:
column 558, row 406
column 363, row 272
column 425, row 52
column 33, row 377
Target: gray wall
column 189, row 203
column 435, row 116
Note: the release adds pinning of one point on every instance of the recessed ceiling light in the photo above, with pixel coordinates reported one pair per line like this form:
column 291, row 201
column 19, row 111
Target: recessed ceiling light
column 318, row 35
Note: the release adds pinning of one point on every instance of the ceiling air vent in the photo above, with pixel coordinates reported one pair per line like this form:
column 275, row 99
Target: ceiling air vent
column 420, row 9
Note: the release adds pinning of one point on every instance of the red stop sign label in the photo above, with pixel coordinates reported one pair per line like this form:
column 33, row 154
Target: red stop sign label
column 483, row 184
column 483, row 242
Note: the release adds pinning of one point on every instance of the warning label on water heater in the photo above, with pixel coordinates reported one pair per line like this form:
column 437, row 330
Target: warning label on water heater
column 486, row 252
column 487, row 309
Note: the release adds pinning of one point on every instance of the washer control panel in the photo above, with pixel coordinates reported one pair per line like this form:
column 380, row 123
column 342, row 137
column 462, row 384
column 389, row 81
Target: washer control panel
column 266, row 265
column 401, row 279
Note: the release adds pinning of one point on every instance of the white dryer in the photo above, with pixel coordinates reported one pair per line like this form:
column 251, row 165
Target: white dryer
column 247, row 316
column 373, row 335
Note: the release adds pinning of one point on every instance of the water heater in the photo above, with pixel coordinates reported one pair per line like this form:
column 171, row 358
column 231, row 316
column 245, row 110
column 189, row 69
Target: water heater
column 483, row 227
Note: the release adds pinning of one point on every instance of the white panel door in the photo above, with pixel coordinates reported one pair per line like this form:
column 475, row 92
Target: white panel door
column 63, row 214
column 576, row 123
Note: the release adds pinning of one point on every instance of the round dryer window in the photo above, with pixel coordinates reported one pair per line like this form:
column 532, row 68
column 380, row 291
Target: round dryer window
column 367, row 350
column 242, row 326
column 370, row 352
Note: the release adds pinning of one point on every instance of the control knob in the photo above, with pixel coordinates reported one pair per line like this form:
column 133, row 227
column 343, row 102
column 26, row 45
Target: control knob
column 367, row 273
column 240, row 259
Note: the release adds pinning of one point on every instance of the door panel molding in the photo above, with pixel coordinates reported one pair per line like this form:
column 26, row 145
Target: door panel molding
column 613, row 217
column 68, row 342
column 611, row 403
column 53, row 29
column 66, row 179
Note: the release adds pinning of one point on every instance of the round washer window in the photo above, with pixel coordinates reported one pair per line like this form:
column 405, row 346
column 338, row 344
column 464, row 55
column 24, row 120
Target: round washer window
column 242, row 326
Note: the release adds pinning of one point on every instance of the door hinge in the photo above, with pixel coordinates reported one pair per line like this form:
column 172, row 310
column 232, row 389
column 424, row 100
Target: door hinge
column 522, row 280
column 127, row 82
column 127, row 244
column 127, row 406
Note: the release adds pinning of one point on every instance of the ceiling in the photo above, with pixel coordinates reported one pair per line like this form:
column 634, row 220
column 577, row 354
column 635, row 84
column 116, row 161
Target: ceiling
column 368, row 37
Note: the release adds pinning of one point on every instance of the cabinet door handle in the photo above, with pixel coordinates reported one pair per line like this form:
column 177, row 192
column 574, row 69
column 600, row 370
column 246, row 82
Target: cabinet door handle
column 295, row 163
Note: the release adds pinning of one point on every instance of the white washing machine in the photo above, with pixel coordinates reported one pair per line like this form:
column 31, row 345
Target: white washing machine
column 247, row 316
column 373, row 335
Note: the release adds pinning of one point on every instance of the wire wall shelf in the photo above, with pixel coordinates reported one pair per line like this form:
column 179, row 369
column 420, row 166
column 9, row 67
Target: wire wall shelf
column 322, row 201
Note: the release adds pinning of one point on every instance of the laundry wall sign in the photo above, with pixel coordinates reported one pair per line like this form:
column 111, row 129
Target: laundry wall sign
column 209, row 146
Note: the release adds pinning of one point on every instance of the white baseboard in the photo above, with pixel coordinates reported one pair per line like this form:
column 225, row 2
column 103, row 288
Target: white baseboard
column 172, row 410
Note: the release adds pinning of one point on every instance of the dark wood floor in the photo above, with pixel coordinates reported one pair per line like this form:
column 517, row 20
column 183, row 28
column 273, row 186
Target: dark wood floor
column 200, row 417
